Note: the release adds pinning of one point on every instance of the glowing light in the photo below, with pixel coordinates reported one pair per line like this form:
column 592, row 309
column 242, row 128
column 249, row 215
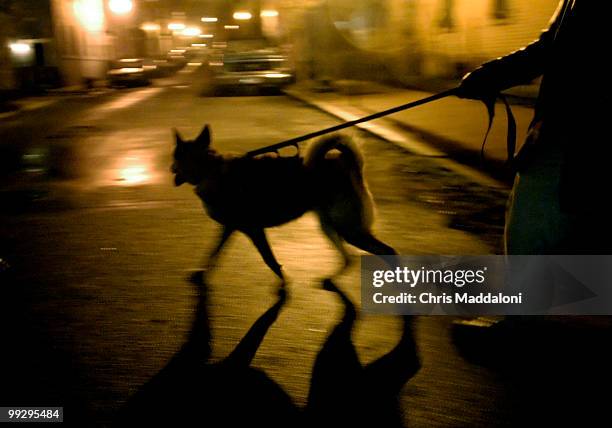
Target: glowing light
column 192, row 32
column 133, row 175
column 90, row 13
column 20, row 48
column 176, row 26
column 268, row 13
column 198, row 45
column 231, row 27
column 242, row 16
column 209, row 19
column 207, row 36
column 120, row 7
column 136, row 167
column 277, row 75
column 149, row 26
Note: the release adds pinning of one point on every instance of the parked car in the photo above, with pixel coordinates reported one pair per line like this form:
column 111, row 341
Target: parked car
column 130, row 72
column 179, row 57
column 258, row 69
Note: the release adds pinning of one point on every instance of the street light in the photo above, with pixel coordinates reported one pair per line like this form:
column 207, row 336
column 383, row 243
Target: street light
column 20, row 48
column 90, row 13
column 120, row 7
column 270, row 13
column 242, row 16
column 209, row 19
column 150, row 26
column 176, row 26
column 192, row 32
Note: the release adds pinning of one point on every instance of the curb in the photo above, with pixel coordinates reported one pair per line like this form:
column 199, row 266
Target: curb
column 52, row 97
column 8, row 114
column 28, row 106
column 392, row 133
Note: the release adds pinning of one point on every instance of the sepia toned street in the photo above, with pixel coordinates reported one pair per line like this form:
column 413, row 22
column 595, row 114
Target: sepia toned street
column 100, row 245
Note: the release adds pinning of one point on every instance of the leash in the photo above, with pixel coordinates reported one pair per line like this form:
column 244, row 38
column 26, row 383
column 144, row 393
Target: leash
column 489, row 103
column 511, row 133
column 274, row 148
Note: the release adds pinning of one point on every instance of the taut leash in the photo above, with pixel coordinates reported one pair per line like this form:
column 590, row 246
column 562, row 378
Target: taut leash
column 489, row 103
column 295, row 141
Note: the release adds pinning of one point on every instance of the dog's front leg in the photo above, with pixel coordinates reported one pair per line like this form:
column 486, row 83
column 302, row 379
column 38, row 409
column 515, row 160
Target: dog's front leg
column 210, row 262
column 258, row 236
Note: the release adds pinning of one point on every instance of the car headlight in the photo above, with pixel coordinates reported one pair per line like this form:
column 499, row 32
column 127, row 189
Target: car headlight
column 277, row 75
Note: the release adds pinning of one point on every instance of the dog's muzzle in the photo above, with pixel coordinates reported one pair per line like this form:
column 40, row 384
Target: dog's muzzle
column 178, row 177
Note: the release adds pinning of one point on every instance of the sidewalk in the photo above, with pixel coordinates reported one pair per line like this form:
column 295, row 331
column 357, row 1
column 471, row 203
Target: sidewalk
column 35, row 102
column 451, row 129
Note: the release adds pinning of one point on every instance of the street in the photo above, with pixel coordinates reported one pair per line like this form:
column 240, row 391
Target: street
column 99, row 245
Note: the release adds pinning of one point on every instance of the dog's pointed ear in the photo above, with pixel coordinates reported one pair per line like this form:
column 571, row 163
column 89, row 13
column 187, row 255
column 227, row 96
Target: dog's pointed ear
column 177, row 137
column 204, row 137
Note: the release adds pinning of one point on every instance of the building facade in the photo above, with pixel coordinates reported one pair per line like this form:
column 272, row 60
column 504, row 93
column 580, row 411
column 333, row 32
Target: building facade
column 27, row 55
column 88, row 35
column 406, row 41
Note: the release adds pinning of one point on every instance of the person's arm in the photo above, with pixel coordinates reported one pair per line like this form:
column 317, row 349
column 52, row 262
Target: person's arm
column 519, row 67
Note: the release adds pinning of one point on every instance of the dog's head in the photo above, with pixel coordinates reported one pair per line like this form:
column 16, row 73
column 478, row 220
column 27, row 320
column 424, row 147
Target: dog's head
column 190, row 157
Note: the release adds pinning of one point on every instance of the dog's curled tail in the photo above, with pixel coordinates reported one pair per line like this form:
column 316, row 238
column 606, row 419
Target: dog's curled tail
column 350, row 152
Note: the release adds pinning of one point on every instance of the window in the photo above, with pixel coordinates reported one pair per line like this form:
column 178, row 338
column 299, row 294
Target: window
column 67, row 40
column 446, row 20
column 500, row 9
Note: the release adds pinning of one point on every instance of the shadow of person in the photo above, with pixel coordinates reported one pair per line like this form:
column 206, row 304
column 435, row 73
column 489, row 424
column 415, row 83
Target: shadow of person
column 343, row 392
column 191, row 391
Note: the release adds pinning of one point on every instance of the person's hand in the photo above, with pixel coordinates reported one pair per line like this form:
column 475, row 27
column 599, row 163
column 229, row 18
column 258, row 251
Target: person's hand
column 478, row 84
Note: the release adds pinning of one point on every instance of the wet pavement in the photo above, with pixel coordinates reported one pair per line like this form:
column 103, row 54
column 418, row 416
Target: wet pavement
column 100, row 244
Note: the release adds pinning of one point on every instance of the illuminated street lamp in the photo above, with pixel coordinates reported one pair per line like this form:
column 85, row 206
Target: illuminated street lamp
column 176, row 26
column 231, row 27
column 150, row 26
column 120, row 7
column 242, row 16
column 209, row 19
column 90, row 13
column 268, row 13
column 192, row 32
column 21, row 49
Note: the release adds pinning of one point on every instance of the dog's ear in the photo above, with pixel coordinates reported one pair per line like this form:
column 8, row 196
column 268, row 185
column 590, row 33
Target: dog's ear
column 204, row 137
column 177, row 137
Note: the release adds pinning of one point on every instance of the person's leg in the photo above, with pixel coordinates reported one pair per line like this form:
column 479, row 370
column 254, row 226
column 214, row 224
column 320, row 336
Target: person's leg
column 535, row 223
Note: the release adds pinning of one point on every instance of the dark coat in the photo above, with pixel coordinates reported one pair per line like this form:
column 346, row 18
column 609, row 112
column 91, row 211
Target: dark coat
column 572, row 100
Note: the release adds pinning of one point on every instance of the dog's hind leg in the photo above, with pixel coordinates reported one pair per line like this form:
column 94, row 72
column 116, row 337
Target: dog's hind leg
column 364, row 240
column 336, row 240
column 258, row 236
